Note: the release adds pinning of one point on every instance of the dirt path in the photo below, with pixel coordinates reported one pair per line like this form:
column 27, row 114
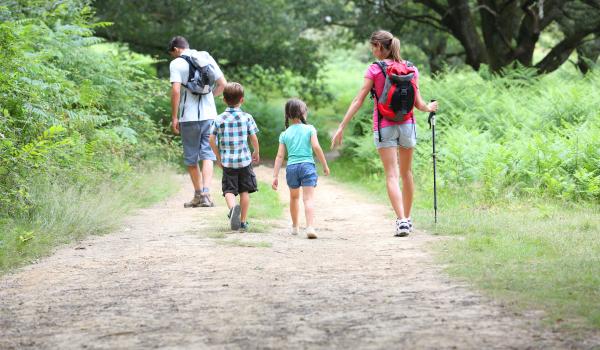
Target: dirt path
column 160, row 282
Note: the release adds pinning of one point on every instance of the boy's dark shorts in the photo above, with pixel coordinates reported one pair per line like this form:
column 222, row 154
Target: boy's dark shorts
column 239, row 180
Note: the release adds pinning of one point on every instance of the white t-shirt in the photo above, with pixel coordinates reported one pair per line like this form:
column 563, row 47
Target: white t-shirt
column 194, row 107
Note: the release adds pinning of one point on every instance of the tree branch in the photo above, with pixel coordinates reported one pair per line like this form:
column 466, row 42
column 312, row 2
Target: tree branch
column 561, row 52
column 421, row 18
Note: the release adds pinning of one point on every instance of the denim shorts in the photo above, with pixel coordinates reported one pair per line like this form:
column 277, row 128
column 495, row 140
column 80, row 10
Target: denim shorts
column 194, row 136
column 301, row 174
column 403, row 135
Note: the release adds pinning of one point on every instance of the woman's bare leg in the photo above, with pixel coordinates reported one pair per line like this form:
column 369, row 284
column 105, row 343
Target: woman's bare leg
column 389, row 158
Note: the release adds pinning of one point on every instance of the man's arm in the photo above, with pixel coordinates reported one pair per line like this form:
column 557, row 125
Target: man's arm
column 175, row 96
column 221, row 82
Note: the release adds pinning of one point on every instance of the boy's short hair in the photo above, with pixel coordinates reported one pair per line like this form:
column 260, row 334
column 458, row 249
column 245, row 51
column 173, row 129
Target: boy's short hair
column 178, row 42
column 233, row 93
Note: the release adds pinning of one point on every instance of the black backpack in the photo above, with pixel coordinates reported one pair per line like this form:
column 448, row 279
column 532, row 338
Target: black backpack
column 200, row 79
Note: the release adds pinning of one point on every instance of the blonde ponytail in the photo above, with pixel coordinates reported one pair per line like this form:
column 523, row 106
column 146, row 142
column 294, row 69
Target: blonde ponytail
column 395, row 50
column 388, row 42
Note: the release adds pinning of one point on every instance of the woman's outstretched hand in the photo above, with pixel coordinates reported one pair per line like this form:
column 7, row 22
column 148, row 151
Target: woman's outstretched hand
column 337, row 138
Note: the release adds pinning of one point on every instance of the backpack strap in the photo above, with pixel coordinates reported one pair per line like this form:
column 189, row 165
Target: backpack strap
column 409, row 64
column 192, row 71
column 192, row 64
column 383, row 66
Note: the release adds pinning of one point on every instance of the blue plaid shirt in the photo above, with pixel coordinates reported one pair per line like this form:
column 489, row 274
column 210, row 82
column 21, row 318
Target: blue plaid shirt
column 232, row 129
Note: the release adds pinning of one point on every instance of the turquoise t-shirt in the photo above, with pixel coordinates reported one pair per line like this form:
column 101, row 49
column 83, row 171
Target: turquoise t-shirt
column 296, row 139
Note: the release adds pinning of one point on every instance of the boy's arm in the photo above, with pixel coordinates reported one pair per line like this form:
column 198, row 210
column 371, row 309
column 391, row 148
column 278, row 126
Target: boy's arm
column 255, row 151
column 314, row 141
column 213, row 144
column 277, row 166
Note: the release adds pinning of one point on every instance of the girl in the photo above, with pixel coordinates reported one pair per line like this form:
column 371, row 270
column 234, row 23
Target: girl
column 299, row 140
column 398, row 139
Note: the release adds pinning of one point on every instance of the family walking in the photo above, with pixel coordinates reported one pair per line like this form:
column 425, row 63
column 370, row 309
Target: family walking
column 207, row 136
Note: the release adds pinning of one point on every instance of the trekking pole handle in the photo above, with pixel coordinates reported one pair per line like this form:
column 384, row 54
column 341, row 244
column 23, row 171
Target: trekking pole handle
column 431, row 119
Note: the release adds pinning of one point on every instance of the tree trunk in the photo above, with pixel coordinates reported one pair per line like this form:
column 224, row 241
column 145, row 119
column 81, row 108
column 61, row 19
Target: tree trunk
column 459, row 20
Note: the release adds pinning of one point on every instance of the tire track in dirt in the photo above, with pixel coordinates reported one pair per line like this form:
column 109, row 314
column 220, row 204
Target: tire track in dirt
column 161, row 282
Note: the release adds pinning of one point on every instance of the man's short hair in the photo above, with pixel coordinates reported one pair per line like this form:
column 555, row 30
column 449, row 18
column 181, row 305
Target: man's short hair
column 178, row 42
column 233, row 93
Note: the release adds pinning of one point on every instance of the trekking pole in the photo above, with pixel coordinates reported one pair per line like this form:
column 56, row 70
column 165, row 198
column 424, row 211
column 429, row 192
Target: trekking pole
column 431, row 121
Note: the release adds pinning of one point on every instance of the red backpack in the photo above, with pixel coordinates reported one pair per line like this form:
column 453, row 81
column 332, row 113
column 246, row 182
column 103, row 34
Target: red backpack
column 397, row 100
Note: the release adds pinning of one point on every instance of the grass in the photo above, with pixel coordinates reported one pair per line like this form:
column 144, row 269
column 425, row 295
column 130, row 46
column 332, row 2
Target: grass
column 65, row 212
column 532, row 253
column 265, row 208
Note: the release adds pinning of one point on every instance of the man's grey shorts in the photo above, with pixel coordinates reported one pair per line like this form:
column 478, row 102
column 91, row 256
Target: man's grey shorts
column 403, row 135
column 194, row 136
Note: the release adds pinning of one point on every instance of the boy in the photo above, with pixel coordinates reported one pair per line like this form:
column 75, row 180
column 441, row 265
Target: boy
column 232, row 129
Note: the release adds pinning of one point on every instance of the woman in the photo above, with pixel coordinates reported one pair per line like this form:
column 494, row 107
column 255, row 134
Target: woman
column 398, row 139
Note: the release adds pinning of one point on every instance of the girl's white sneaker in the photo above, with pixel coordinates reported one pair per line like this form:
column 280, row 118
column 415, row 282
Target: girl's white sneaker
column 295, row 230
column 310, row 233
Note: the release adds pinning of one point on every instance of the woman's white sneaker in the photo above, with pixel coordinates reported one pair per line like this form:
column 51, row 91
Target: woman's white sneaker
column 402, row 228
column 310, row 233
column 295, row 230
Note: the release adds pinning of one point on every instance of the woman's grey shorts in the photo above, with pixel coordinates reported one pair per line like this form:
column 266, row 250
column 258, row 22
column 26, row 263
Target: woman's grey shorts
column 403, row 135
column 194, row 136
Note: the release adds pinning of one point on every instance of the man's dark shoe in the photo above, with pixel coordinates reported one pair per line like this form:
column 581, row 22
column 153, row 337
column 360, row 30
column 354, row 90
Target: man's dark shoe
column 205, row 200
column 194, row 203
column 244, row 226
column 234, row 218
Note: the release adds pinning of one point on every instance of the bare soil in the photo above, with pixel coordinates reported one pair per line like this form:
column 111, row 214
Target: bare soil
column 161, row 281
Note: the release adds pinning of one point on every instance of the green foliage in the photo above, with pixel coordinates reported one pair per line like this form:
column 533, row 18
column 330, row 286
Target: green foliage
column 267, row 33
column 67, row 210
column 71, row 107
column 505, row 136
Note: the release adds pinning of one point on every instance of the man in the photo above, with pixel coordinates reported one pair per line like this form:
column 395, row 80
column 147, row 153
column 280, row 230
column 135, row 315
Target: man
column 192, row 117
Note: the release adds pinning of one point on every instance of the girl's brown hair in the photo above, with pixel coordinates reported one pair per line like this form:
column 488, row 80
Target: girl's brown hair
column 295, row 109
column 388, row 42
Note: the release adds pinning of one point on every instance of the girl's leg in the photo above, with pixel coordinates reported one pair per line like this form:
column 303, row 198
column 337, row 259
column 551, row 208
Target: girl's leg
column 389, row 159
column 307, row 197
column 295, row 205
column 245, row 204
column 405, row 156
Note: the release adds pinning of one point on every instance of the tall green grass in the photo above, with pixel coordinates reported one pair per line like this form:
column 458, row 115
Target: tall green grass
column 64, row 211
column 518, row 178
